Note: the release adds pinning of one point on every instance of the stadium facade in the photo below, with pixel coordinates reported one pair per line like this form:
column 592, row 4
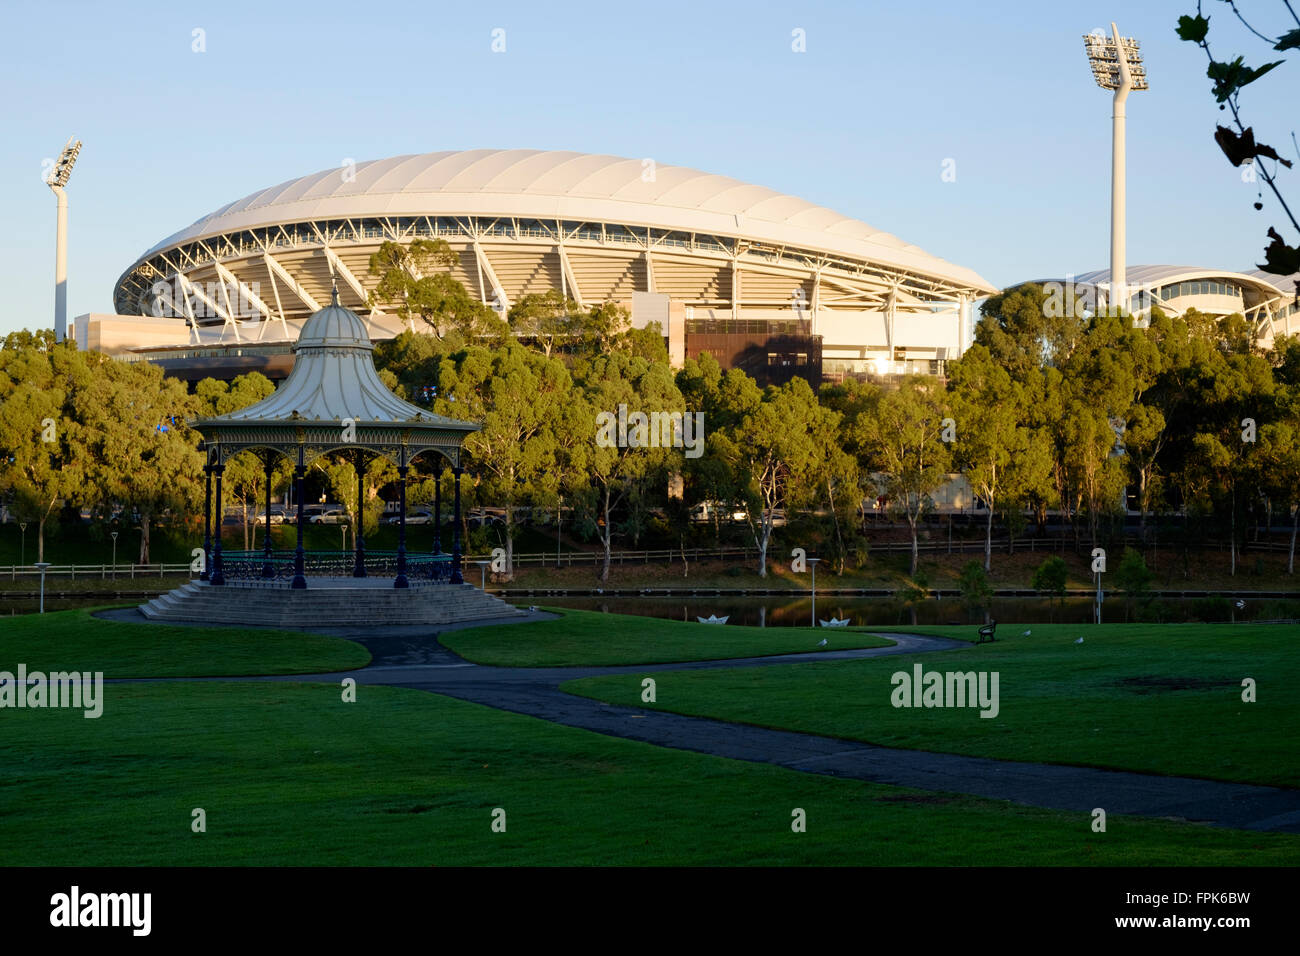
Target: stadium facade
column 766, row 282
column 1265, row 300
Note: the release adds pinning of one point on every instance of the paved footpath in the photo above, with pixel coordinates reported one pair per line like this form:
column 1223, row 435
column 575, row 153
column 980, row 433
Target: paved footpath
column 408, row 657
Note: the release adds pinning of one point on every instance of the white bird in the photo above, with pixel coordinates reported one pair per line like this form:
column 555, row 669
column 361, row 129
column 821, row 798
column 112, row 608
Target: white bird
column 532, row 607
column 1026, row 634
column 822, row 642
column 1079, row 641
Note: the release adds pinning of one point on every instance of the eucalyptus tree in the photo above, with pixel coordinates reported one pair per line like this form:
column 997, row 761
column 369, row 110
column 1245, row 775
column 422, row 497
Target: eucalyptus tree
column 786, row 450
column 137, row 449
column 626, row 455
column 415, row 280
column 907, row 434
column 520, row 398
column 986, row 411
column 41, row 455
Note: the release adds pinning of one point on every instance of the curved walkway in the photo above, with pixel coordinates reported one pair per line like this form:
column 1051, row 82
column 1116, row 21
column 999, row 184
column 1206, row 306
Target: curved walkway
column 405, row 658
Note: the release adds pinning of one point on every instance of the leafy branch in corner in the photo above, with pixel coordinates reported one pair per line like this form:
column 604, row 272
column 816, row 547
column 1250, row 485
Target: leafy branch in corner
column 1229, row 78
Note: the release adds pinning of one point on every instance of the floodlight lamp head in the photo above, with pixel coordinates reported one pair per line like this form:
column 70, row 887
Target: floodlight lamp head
column 1116, row 61
column 63, row 168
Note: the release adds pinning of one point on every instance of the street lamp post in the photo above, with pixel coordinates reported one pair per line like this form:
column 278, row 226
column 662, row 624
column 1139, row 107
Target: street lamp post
column 813, row 563
column 1097, row 613
column 114, row 535
column 1116, row 65
column 41, row 566
column 22, row 526
column 57, row 180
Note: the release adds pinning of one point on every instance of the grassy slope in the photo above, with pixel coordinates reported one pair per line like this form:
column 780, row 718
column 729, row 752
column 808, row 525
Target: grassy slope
column 595, row 639
column 1162, row 699
column 290, row 775
column 76, row 640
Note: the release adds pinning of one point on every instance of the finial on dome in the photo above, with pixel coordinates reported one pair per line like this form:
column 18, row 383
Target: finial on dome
column 334, row 292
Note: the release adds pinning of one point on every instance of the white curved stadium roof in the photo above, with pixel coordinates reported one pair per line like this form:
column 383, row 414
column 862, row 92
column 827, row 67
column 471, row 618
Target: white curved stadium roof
column 1167, row 274
column 571, row 186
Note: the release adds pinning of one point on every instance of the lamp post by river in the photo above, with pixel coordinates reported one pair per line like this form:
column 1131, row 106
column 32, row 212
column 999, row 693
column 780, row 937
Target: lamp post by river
column 812, row 562
column 114, row 535
column 41, row 566
column 22, row 526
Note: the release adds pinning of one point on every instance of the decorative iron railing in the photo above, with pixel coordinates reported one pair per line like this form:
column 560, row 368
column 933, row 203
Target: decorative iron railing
column 256, row 566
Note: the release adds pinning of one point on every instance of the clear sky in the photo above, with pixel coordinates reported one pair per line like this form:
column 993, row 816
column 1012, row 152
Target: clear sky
column 861, row 122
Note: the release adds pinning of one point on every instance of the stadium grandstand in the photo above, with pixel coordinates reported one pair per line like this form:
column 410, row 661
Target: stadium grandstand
column 764, row 281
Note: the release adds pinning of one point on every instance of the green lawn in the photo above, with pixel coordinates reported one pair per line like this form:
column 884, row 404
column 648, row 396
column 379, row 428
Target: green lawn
column 288, row 774
column 76, row 640
column 595, row 639
column 1155, row 698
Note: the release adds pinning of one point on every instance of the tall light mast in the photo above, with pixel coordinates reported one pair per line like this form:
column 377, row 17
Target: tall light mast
column 1116, row 65
column 57, row 180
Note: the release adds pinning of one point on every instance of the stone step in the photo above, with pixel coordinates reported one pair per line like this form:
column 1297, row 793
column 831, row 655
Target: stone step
column 332, row 605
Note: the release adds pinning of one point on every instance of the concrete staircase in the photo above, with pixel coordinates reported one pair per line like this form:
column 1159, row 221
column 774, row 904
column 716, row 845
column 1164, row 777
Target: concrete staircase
column 336, row 602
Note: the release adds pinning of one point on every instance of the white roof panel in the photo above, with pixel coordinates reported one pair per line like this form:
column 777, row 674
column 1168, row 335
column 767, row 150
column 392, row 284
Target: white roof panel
column 569, row 185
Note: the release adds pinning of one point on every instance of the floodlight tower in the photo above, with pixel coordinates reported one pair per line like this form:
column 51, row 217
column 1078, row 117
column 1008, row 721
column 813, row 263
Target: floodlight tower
column 1116, row 65
column 57, row 180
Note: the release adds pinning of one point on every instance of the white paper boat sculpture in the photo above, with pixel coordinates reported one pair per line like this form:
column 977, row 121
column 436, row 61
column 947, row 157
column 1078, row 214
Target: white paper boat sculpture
column 835, row 622
column 712, row 619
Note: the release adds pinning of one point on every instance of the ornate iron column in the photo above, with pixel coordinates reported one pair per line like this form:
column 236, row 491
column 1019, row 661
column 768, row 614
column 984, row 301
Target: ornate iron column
column 206, row 573
column 456, row 576
column 437, row 507
column 217, row 577
column 268, row 553
column 359, row 568
column 401, row 581
column 299, row 558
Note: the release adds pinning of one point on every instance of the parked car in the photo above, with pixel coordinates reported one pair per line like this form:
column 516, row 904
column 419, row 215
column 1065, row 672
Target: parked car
column 330, row 516
column 412, row 517
column 705, row 510
column 277, row 516
column 309, row 512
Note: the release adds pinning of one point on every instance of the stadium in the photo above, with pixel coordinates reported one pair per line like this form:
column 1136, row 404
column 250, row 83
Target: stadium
column 764, row 281
column 1267, row 301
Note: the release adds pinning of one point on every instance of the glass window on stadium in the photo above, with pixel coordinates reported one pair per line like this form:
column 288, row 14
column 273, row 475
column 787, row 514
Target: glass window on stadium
column 618, row 233
column 533, row 229
column 1200, row 287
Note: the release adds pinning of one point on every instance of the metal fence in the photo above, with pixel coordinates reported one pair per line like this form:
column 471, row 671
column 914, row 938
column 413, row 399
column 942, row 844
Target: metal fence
column 742, row 553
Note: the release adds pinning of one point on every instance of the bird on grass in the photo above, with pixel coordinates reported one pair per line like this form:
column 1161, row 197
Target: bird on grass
column 822, row 642
column 1079, row 641
column 1027, row 633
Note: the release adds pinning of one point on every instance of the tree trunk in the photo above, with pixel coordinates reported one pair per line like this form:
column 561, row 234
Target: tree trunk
column 761, row 539
column 912, row 522
column 1295, row 525
column 1232, row 532
column 510, row 542
column 144, row 538
column 988, row 540
column 839, row 538
column 604, row 571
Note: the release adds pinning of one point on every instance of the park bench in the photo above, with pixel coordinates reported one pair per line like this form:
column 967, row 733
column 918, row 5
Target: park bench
column 986, row 632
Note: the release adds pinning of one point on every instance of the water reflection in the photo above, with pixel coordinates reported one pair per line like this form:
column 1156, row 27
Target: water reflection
column 876, row 611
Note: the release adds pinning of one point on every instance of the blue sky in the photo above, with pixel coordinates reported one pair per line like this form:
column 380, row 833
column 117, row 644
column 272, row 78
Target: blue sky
column 861, row 122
